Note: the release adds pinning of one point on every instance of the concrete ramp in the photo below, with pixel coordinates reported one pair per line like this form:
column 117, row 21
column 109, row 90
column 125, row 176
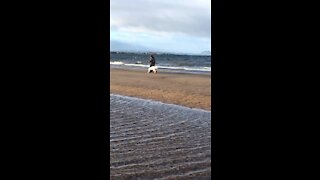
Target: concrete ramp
column 154, row 140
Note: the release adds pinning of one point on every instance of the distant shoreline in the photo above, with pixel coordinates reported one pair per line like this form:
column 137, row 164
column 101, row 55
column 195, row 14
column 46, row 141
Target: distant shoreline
column 158, row 53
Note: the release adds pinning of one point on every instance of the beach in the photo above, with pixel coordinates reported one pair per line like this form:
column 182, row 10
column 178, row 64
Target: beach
column 190, row 90
column 160, row 125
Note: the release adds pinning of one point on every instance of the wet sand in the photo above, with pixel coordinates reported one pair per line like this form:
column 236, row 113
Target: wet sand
column 191, row 90
column 151, row 140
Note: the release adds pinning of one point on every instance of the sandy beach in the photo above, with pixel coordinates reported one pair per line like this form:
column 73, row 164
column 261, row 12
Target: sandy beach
column 190, row 90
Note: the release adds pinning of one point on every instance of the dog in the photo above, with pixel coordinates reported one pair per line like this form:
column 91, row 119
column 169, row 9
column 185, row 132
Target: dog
column 153, row 69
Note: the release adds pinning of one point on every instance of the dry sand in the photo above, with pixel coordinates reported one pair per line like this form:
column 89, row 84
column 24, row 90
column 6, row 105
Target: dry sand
column 191, row 90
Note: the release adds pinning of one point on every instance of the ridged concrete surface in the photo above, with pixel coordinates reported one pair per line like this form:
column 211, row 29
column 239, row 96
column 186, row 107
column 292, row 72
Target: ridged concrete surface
column 153, row 140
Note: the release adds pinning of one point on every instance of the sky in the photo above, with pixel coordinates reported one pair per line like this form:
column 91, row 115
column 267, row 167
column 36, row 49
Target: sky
column 179, row 26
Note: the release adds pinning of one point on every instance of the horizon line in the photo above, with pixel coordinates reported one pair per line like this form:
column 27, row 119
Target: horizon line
column 160, row 52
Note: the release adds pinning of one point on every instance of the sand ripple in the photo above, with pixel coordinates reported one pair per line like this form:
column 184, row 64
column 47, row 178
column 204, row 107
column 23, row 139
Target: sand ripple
column 152, row 140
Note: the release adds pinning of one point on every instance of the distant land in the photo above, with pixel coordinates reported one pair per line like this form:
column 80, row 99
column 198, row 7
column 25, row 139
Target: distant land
column 121, row 47
column 206, row 52
column 157, row 52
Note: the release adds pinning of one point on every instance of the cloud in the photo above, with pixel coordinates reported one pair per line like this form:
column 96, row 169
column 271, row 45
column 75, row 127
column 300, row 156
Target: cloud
column 124, row 46
column 160, row 17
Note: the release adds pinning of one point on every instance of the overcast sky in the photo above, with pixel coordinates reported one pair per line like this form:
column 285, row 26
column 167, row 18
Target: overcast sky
column 182, row 26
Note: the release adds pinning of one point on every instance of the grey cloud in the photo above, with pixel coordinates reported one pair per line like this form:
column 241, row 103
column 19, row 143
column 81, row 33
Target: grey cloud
column 123, row 46
column 162, row 16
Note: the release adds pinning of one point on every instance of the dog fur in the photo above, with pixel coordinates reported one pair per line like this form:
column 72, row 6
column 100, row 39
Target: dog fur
column 153, row 69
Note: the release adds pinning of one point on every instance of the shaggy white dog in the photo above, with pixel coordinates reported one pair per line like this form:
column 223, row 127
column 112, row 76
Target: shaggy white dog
column 153, row 69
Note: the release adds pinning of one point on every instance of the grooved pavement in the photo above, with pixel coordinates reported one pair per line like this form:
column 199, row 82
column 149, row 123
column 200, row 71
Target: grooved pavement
column 153, row 140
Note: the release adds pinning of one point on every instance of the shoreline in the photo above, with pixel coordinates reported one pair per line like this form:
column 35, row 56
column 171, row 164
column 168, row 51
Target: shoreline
column 163, row 70
column 185, row 89
column 158, row 102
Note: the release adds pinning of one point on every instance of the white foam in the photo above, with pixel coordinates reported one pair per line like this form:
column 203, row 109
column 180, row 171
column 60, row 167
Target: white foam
column 137, row 65
column 207, row 69
column 117, row 63
column 204, row 69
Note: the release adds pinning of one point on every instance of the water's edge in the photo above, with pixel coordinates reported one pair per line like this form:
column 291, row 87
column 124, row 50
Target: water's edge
column 159, row 102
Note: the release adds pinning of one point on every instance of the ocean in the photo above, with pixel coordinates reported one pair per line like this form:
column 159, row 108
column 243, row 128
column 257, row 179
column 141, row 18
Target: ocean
column 199, row 64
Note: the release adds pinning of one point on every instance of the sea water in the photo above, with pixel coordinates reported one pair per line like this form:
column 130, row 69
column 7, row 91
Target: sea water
column 199, row 64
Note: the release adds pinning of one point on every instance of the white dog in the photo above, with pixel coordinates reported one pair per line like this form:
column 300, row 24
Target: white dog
column 153, row 69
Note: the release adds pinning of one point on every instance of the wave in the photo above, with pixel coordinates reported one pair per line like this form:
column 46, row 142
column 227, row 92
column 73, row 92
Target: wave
column 204, row 69
column 116, row 63
column 137, row 65
column 208, row 69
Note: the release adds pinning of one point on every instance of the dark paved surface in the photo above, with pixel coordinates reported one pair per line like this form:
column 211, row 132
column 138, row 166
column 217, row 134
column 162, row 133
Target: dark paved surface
column 151, row 140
